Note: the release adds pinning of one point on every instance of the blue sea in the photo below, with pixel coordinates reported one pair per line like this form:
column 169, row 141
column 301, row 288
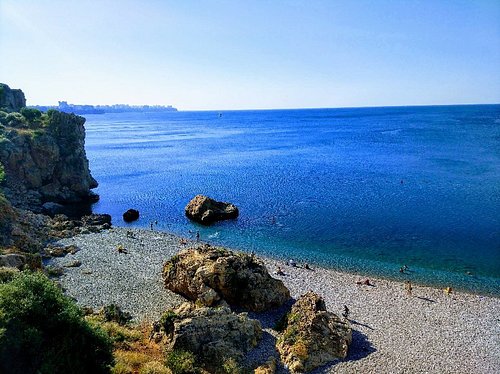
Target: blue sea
column 364, row 190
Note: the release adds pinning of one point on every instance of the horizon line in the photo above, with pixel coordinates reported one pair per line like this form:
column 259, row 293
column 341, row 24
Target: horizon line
column 286, row 108
column 340, row 107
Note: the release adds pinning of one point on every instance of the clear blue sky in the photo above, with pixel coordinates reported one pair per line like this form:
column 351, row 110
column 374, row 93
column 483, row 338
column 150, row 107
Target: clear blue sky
column 252, row 54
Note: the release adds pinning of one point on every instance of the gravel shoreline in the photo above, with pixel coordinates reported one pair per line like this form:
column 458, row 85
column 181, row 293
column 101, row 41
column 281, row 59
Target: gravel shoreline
column 393, row 332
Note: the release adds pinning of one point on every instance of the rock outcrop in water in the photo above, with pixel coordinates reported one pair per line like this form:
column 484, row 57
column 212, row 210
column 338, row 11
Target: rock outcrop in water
column 211, row 275
column 313, row 336
column 205, row 210
column 131, row 215
column 43, row 156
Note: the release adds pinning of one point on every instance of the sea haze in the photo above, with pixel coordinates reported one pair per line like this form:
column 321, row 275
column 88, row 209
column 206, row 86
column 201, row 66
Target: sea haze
column 364, row 190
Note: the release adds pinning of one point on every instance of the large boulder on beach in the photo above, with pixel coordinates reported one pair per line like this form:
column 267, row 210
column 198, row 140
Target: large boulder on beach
column 313, row 336
column 213, row 335
column 205, row 210
column 209, row 275
column 131, row 215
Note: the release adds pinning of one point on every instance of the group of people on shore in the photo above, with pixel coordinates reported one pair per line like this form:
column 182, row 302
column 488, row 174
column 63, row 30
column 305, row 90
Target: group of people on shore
column 291, row 263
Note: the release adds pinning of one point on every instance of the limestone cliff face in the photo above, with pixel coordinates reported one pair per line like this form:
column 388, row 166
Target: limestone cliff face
column 11, row 100
column 44, row 158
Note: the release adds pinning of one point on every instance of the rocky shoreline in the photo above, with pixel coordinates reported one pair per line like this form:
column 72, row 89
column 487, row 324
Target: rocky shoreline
column 386, row 326
column 427, row 331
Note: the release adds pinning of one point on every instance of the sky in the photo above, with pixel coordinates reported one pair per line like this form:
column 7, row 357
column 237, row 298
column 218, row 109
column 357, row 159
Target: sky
column 229, row 54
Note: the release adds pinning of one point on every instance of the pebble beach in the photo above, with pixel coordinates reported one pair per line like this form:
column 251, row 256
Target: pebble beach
column 428, row 331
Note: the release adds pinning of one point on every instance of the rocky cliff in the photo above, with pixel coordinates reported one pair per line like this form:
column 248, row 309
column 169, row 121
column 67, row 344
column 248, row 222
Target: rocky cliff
column 43, row 155
column 11, row 100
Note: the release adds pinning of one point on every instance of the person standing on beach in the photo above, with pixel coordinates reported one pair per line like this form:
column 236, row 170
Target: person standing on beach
column 345, row 314
column 197, row 236
column 408, row 287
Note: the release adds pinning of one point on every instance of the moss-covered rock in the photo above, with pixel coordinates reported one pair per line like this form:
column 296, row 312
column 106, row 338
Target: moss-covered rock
column 313, row 336
column 214, row 337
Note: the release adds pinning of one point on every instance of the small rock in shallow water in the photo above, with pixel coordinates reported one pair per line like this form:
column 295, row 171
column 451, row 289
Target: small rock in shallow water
column 131, row 215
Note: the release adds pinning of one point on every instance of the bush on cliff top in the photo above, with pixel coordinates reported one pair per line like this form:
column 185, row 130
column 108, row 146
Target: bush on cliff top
column 33, row 117
column 42, row 331
column 2, row 174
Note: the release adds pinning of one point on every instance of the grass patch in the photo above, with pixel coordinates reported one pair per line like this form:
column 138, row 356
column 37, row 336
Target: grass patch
column 181, row 362
column 116, row 332
column 154, row 367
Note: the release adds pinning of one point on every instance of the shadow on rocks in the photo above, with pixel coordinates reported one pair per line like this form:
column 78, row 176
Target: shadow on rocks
column 260, row 354
column 360, row 347
column 269, row 318
column 269, row 321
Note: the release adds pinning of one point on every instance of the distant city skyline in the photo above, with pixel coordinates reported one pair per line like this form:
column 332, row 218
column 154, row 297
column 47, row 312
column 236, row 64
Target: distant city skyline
column 222, row 55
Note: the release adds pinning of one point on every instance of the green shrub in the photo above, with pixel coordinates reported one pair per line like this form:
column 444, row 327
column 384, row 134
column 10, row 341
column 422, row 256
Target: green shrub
column 7, row 274
column 42, row 331
column 3, row 117
column 32, row 116
column 2, row 173
column 113, row 313
column 181, row 362
column 16, row 120
column 51, row 112
column 231, row 366
column 167, row 321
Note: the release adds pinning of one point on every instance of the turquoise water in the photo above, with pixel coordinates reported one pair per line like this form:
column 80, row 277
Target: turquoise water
column 364, row 190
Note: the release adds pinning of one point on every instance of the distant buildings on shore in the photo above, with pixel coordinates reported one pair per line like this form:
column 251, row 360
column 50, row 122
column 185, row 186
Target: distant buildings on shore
column 63, row 106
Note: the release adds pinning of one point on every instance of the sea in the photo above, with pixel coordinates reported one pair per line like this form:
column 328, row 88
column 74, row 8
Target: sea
column 362, row 190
